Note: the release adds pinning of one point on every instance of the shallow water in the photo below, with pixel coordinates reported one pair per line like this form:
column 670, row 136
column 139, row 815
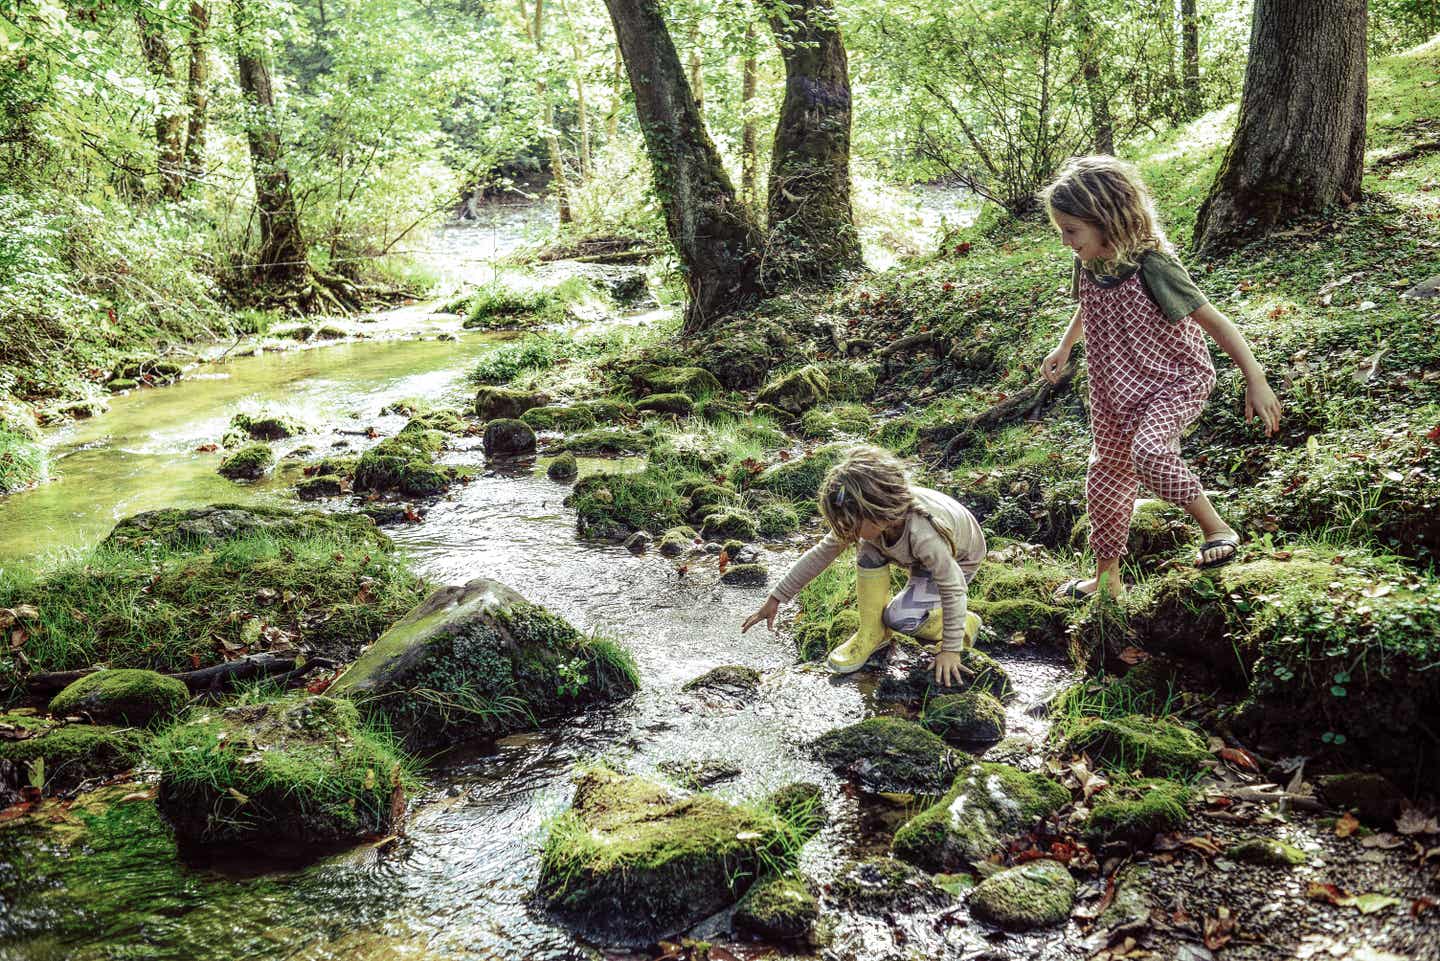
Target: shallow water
column 459, row 884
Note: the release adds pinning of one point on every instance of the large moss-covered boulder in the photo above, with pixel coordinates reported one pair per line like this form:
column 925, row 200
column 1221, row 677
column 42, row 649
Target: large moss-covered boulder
column 211, row 526
column 480, row 660
column 250, row 462
column 496, row 403
column 965, row 718
column 986, row 805
column 508, row 438
column 405, row 463
column 678, row 405
column 59, row 757
column 124, row 696
column 563, row 468
column 1135, row 742
column 780, row 908
column 728, row 524
column 614, row 506
column 797, row 391
column 1136, row 812
column 890, row 754
column 632, row 861
column 302, row 770
column 559, row 417
column 691, row 381
column 1036, row 894
column 798, row 480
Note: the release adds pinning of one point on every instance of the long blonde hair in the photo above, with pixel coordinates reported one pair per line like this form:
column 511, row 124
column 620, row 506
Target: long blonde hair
column 870, row 484
column 1109, row 195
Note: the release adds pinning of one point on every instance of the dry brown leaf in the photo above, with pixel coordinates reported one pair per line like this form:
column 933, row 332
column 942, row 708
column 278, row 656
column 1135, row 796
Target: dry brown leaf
column 1346, row 825
column 1219, row 929
column 1239, row 757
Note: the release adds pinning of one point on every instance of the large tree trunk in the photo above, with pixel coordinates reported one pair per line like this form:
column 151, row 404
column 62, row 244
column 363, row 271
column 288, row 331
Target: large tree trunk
column 718, row 243
column 749, row 142
column 1190, row 57
column 536, row 29
column 169, row 119
column 281, row 257
column 1299, row 144
column 811, row 226
column 1102, row 126
column 197, row 91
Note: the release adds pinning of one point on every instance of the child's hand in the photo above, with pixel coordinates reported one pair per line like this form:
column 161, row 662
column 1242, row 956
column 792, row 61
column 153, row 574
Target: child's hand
column 766, row 613
column 950, row 669
column 1054, row 363
column 1261, row 402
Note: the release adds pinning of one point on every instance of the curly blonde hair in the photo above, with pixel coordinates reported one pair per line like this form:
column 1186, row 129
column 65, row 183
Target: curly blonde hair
column 870, row 484
column 1109, row 195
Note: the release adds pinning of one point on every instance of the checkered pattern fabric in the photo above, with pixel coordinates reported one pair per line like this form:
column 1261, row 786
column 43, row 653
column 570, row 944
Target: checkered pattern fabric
column 1149, row 379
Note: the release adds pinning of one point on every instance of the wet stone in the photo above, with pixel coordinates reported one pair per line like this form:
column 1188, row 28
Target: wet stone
column 892, row 755
column 1037, row 894
column 60, row 757
column 508, row 438
column 881, row 885
column 1266, row 851
column 563, row 468
column 908, row 676
column 1373, row 797
column 638, row 542
column 698, row 775
column 677, row 541
column 745, row 575
column 965, row 718
column 778, row 909
column 726, row 679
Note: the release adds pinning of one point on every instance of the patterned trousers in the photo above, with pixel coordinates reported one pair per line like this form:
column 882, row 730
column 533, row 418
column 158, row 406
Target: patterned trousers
column 1140, row 445
column 910, row 608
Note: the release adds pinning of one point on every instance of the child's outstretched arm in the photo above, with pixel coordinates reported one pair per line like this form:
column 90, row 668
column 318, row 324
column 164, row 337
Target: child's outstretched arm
column 810, row 564
column 1056, row 360
column 1260, row 400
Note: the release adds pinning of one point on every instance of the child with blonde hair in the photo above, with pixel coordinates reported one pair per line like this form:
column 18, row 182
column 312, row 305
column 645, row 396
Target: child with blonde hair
column 1144, row 323
column 869, row 501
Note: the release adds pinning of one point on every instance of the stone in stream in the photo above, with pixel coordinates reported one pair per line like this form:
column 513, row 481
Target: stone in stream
column 695, row 382
column 263, row 426
column 497, row 403
column 1036, row 894
column 508, row 438
column 680, row 405
column 725, row 679
column 891, row 755
column 405, row 463
column 728, row 524
column 250, row 462
column 965, row 718
column 638, row 542
column 59, row 757
column 559, row 417
column 296, row 771
column 745, row 575
column 480, row 660
column 985, row 806
column 563, row 468
column 124, row 696
column 780, row 908
column 632, row 861
column 677, row 540
column 315, row 488
column 908, row 676
column 217, row 524
column 884, row 885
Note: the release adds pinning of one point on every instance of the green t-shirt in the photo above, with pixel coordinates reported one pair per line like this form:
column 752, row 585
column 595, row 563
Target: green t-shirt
column 1163, row 277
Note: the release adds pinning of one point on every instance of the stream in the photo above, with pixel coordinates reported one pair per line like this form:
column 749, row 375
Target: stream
column 459, row 883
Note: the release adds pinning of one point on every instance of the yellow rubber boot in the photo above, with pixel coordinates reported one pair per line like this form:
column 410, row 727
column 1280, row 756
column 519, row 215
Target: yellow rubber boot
column 933, row 628
column 872, row 593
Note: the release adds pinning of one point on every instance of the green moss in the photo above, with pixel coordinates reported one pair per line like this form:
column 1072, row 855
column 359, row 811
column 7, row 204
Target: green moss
column 22, row 461
column 493, row 403
column 1037, row 894
column 1025, row 619
column 614, row 506
column 883, row 884
column 66, row 755
column 726, row 524
column 314, row 488
column 849, row 380
column 841, row 419
column 445, row 420
column 679, row 405
column 798, row 481
column 961, row 718
column 405, row 463
column 891, row 755
column 1266, row 851
column 504, row 437
column 677, row 541
column 130, row 696
column 250, row 462
column 707, row 496
column 986, row 804
column 779, row 909
column 514, row 300
column 776, row 520
column 1152, row 745
column 797, row 391
column 559, row 418
column 265, row 426
column 608, row 441
column 1136, row 812
column 745, row 575
column 563, row 467
column 691, row 381
column 726, row 676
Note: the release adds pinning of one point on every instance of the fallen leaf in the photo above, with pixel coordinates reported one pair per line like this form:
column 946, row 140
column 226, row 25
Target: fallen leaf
column 1322, row 891
column 1346, row 825
column 1239, row 757
column 1372, row 903
column 207, row 448
column 1422, row 904
column 1133, row 655
column 1219, row 929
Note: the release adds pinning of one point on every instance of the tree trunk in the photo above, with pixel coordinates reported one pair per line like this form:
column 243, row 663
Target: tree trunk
column 617, row 87
column 811, row 226
column 281, row 257
column 1299, row 143
column 577, row 70
column 197, row 92
column 1190, row 58
column 536, row 29
column 1102, row 126
column 717, row 242
column 169, row 119
column 749, row 143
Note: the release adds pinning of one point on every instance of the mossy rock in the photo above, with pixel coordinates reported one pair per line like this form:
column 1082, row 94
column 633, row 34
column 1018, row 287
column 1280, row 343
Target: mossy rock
column 709, row 496
column 1267, row 852
column 986, row 805
column 559, row 417
column 479, row 660
column 1134, row 813
column 70, row 754
column 614, row 506
column 266, row 426
column 801, row 805
column 447, row 420
column 776, row 520
column 1158, row 531
column 779, row 908
column 1037, row 894
column 607, row 441
column 849, row 380
column 718, row 410
column 154, row 370
column 908, row 676
column 406, row 407
column 503, row 403
column 727, row 678
column 677, row 541
column 697, row 775
column 965, row 718
column 609, row 410
column 745, row 575
column 120, row 384
column 209, row 527
column 1373, row 797
column 124, row 696
column 250, row 462
column 797, row 391
column 1037, row 622
column 798, row 481
column 405, row 463
column 632, row 861
column 693, row 382
column 508, row 438
column 840, row 419
column 678, row 405
column 727, row 524
column 314, row 488
column 884, row 885
column 891, row 755
column 563, row 468
column 297, row 771
column 1154, row 746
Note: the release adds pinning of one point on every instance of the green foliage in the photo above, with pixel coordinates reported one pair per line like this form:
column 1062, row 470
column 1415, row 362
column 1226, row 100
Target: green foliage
column 22, row 462
column 514, row 300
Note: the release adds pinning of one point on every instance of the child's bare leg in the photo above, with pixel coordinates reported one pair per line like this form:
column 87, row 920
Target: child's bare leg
column 1212, row 525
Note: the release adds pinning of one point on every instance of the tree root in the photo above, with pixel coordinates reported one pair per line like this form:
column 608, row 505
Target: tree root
column 217, row 677
column 1026, row 404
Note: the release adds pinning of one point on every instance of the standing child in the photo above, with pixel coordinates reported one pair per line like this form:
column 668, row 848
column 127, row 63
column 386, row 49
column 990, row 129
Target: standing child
column 1144, row 324
column 868, row 501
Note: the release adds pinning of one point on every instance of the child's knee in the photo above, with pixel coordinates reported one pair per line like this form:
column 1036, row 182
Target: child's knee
column 1154, row 459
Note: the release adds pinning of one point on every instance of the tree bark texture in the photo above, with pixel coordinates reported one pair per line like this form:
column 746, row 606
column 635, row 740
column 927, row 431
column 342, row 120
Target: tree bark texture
column 281, row 257
column 197, row 90
column 749, row 142
column 1102, row 127
column 812, row 232
column 717, row 242
column 1299, row 143
column 1190, row 57
column 169, row 119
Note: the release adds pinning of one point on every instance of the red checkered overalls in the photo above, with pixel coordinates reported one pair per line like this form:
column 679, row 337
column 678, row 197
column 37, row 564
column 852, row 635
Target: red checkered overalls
column 1149, row 378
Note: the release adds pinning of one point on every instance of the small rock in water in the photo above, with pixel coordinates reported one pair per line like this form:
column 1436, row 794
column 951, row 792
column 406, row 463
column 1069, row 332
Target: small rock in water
column 1033, row 895
column 698, row 775
column 714, row 547
column 745, row 575
column 727, row 678
column 638, row 542
column 881, row 885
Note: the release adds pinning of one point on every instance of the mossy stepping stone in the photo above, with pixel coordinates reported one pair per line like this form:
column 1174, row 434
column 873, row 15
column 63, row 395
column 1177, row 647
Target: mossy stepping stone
column 727, row 678
column 884, row 885
column 778, row 909
column 909, row 675
column 727, row 524
column 215, row 525
column 508, row 438
column 797, row 391
column 250, row 462
column 563, row 468
column 965, row 718
column 62, row 756
column 1037, row 894
column 495, row 403
column 891, row 755
column 124, row 696
column 1154, row 746
column 679, row 405
column 987, row 804
column 1135, row 813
